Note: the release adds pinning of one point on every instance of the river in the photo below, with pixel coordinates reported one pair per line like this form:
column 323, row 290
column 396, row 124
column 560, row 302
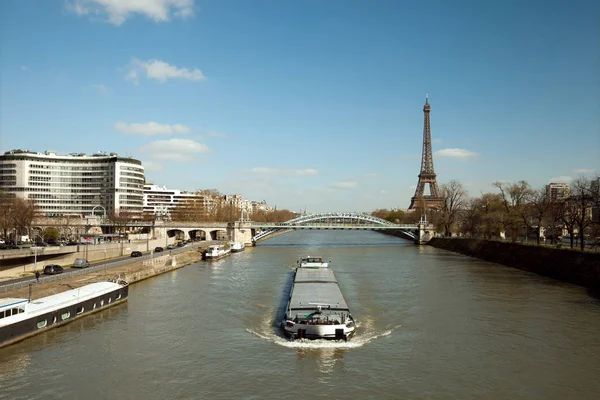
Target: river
column 432, row 325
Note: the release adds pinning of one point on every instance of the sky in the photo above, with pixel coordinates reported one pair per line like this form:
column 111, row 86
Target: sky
column 308, row 105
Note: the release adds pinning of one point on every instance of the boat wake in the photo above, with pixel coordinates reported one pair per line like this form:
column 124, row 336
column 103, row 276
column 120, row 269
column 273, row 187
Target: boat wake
column 365, row 333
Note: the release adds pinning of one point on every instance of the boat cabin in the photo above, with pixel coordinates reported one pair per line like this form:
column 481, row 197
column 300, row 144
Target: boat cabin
column 11, row 306
column 312, row 262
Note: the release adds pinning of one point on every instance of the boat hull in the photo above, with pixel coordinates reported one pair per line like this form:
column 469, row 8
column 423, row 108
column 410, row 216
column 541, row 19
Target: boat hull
column 328, row 332
column 26, row 328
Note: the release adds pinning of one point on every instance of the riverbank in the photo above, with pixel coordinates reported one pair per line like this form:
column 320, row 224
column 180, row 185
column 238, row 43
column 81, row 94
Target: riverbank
column 562, row 264
column 132, row 272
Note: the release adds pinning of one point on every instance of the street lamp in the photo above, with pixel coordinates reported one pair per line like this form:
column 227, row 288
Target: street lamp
column 35, row 250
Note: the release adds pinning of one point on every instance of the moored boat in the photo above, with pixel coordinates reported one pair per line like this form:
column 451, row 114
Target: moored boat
column 216, row 251
column 22, row 318
column 316, row 308
column 236, row 247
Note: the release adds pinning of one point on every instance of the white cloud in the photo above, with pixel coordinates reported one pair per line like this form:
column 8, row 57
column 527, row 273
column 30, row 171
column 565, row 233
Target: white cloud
column 101, row 89
column 346, row 185
column 275, row 171
column 150, row 128
column 24, row 68
column 460, row 154
column 565, row 179
column 160, row 71
column 584, row 171
column 118, row 11
column 181, row 150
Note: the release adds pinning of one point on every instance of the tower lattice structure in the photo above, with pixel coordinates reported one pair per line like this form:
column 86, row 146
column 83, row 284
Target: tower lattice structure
column 427, row 174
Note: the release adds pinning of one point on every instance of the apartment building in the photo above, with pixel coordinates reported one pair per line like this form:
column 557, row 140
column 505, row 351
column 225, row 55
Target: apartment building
column 558, row 191
column 74, row 184
column 160, row 201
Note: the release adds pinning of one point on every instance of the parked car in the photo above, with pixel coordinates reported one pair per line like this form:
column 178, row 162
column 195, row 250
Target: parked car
column 181, row 244
column 170, row 247
column 136, row 254
column 81, row 263
column 158, row 249
column 53, row 269
column 41, row 244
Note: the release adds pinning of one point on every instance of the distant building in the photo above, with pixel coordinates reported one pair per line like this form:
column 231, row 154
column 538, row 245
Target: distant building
column 160, row 201
column 558, row 191
column 75, row 184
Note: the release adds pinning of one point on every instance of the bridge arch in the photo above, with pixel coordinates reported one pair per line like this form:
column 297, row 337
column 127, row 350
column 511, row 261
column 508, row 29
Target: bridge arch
column 335, row 220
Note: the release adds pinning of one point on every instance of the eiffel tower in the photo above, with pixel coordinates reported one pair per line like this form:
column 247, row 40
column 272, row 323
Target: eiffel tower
column 427, row 175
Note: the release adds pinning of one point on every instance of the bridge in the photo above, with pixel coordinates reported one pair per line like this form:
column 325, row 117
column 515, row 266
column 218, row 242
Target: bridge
column 247, row 231
column 335, row 221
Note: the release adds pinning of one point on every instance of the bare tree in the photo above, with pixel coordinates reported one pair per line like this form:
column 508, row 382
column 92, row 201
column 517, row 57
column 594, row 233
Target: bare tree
column 454, row 198
column 514, row 198
column 23, row 214
column 7, row 206
column 583, row 201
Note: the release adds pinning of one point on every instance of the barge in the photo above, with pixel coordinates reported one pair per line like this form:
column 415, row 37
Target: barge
column 23, row 318
column 215, row 252
column 236, row 247
column 316, row 308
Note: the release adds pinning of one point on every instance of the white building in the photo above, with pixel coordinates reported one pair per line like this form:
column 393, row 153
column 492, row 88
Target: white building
column 160, row 201
column 74, row 184
column 558, row 191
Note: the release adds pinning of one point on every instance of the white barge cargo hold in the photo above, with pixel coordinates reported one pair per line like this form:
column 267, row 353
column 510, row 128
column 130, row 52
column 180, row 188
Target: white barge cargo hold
column 22, row 318
column 316, row 308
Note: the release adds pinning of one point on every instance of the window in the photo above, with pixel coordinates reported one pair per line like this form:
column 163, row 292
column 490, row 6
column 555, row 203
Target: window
column 109, row 300
column 101, row 302
column 54, row 320
column 118, row 296
column 65, row 315
column 79, row 310
column 94, row 306
column 42, row 324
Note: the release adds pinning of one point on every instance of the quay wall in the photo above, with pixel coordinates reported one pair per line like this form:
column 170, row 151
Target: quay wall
column 566, row 265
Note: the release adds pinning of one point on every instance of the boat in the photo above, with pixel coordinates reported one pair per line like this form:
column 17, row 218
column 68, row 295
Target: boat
column 23, row 318
column 316, row 308
column 236, row 247
column 216, row 251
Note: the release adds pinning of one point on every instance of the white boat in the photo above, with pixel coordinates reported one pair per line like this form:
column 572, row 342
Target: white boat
column 22, row 318
column 316, row 308
column 236, row 247
column 216, row 251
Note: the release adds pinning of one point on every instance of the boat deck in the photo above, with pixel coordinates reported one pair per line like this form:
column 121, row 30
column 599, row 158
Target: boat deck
column 316, row 285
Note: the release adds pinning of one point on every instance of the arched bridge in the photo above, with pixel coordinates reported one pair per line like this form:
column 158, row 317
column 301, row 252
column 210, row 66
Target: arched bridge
column 338, row 220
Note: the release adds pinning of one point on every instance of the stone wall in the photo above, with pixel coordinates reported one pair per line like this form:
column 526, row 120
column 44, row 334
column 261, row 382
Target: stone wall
column 562, row 264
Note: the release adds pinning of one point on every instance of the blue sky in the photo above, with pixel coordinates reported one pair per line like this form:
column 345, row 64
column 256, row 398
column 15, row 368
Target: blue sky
column 308, row 104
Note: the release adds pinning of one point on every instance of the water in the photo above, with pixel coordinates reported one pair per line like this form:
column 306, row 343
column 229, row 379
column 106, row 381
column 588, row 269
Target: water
column 432, row 325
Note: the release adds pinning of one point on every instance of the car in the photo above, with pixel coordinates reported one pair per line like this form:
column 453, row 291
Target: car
column 41, row 244
column 181, row 244
column 158, row 249
column 81, row 263
column 136, row 254
column 53, row 269
column 170, row 247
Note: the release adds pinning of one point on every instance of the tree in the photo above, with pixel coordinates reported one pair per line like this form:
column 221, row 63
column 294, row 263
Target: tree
column 539, row 208
column 454, row 198
column 582, row 202
column 514, row 198
column 51, row 234
column 23, row 213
